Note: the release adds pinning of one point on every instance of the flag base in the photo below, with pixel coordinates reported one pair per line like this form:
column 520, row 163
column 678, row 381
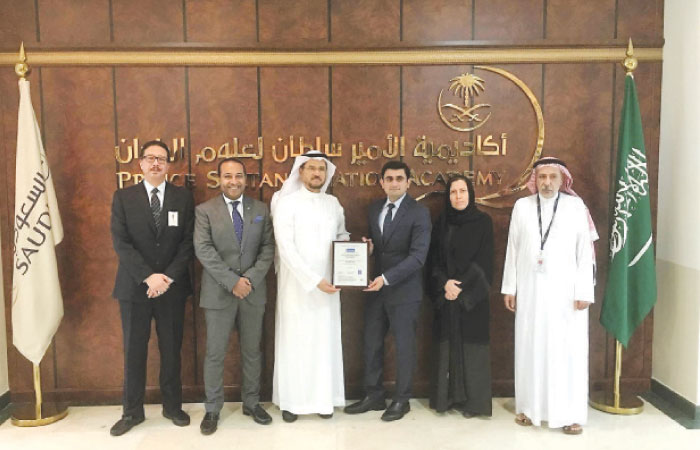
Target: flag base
column 605, row 401
column 26, row 414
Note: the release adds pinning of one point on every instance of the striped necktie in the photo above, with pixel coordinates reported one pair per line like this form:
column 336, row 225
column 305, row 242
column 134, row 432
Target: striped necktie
column 155, row 207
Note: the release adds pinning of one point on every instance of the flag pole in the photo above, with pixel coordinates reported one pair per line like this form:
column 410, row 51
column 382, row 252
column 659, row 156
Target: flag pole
column 38, row 413
column 605, row 400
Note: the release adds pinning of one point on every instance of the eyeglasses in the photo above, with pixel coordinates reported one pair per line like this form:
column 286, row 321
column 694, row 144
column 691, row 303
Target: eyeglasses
column 150, row 159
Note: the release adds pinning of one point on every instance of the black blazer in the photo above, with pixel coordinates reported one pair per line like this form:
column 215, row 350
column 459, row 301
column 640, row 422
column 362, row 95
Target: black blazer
column 401, row 253
column 142, row 250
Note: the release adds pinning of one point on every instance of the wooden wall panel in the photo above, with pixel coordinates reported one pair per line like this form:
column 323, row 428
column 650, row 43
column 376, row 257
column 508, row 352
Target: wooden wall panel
column 582, row 21
column 147, row 21
column 221, row 21
column 508, row 20
column 439, row 20
column 89, row 336
column 285, row 23
column 640, row 19
column 365, row 109
column 365, row 22
column 67, row 22
column 17, row 24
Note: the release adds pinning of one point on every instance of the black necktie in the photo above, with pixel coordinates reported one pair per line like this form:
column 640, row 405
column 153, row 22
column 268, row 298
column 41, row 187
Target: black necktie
column 155, row 207
column 237, row 221
column 387, row 218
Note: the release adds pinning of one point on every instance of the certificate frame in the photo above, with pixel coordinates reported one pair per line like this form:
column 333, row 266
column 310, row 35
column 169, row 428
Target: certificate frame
column 350, row 272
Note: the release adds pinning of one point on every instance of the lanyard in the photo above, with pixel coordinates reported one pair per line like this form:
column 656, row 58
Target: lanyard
column 543, row 239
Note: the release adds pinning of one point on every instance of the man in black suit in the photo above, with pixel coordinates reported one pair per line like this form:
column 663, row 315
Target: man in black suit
column 399, row 231
column 152, row 226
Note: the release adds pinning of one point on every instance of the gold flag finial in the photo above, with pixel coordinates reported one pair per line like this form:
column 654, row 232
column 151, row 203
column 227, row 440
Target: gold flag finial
column 630, row 61
column 21, row 68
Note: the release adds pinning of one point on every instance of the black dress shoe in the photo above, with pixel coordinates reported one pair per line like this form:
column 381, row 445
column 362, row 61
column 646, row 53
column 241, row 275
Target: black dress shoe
column 366, row 404
column 259, row 414
column 125, row 424
column 209, row 423
column 289, row 417
column 179, row 417
column 326, row 416
column 396, row 411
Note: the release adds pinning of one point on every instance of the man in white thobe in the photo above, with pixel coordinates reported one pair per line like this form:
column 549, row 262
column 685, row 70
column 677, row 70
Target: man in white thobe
column 548, row 281
column 308, row 373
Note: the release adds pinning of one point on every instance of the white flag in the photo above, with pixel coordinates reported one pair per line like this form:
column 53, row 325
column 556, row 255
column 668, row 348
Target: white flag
column 37, row 304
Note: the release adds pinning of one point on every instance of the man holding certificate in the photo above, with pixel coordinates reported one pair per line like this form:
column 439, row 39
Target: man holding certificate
column 308, row 374
column 399, row 231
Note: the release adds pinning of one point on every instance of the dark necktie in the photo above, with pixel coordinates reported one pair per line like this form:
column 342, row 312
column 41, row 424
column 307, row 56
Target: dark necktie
column 155, row 207
column 387, row 218
column 237, row 221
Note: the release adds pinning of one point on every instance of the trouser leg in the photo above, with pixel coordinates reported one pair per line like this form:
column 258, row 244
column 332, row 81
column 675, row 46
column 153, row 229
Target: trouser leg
column 250, row 322
column 403, row 322
column 376, row 325
column 170, row 317
column 136, row 328
column 220, row 323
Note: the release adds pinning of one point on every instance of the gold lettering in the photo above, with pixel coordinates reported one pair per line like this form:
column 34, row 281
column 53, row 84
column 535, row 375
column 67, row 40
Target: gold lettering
column 424, row 180
column 413, row 178
column 122, row 177
column 207, row 154
column 483, row 180
column 213, row 177
column 340, row 179
column 266, row 181
column 129, row 153
column 371, row 178
column 280, row 179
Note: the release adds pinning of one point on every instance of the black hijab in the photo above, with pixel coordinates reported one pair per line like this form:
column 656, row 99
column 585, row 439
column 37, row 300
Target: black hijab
column 470, row 213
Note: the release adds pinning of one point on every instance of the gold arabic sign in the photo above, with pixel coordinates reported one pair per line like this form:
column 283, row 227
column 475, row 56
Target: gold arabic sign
column 461, row 114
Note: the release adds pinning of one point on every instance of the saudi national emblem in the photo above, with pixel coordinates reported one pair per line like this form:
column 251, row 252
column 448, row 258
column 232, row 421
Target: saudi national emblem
column 467, row 117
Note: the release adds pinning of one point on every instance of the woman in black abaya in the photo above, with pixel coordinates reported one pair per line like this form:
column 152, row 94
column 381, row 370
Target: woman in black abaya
column 460, row 271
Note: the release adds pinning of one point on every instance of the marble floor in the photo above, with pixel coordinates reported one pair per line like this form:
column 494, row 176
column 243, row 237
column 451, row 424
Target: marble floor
column 88, row 428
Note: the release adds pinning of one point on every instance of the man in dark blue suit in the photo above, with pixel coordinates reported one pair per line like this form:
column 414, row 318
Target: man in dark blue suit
column 399, row 239
column 152, row 226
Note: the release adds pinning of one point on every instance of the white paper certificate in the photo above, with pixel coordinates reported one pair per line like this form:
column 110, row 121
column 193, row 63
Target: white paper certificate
column 350, row 264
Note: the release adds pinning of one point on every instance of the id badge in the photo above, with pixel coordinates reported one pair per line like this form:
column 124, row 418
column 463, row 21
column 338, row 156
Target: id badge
column 172, row 218
column 540, row 263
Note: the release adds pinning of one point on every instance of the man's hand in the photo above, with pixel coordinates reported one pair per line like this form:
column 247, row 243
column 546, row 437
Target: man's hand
column 242, row 288
column 326, row 287
column 157, row 283
column 371, row 244
column 580, row 305
column 452, row 289
column 509, row 301
column 375, row 285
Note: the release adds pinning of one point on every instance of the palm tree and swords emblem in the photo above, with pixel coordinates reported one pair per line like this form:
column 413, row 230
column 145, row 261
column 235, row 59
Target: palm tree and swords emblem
column 467, row 117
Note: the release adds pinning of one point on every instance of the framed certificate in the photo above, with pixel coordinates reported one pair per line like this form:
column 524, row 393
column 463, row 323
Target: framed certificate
column 350, row 264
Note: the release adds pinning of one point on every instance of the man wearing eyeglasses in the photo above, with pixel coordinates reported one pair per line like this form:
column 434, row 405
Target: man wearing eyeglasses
column 152, row 225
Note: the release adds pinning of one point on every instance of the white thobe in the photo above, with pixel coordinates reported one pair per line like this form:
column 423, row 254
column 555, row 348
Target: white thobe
column 551, row 337
column 308, row 373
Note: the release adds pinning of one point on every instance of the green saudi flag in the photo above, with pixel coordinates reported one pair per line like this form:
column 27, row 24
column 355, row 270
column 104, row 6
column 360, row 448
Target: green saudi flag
column 631, row 289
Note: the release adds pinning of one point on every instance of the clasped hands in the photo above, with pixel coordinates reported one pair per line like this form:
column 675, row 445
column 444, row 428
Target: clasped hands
column 158, row 284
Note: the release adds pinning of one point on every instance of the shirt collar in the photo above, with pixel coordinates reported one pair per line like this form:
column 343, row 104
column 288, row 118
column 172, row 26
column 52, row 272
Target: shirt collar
column 228, row 200
column 397, row 203
column 149, row 187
